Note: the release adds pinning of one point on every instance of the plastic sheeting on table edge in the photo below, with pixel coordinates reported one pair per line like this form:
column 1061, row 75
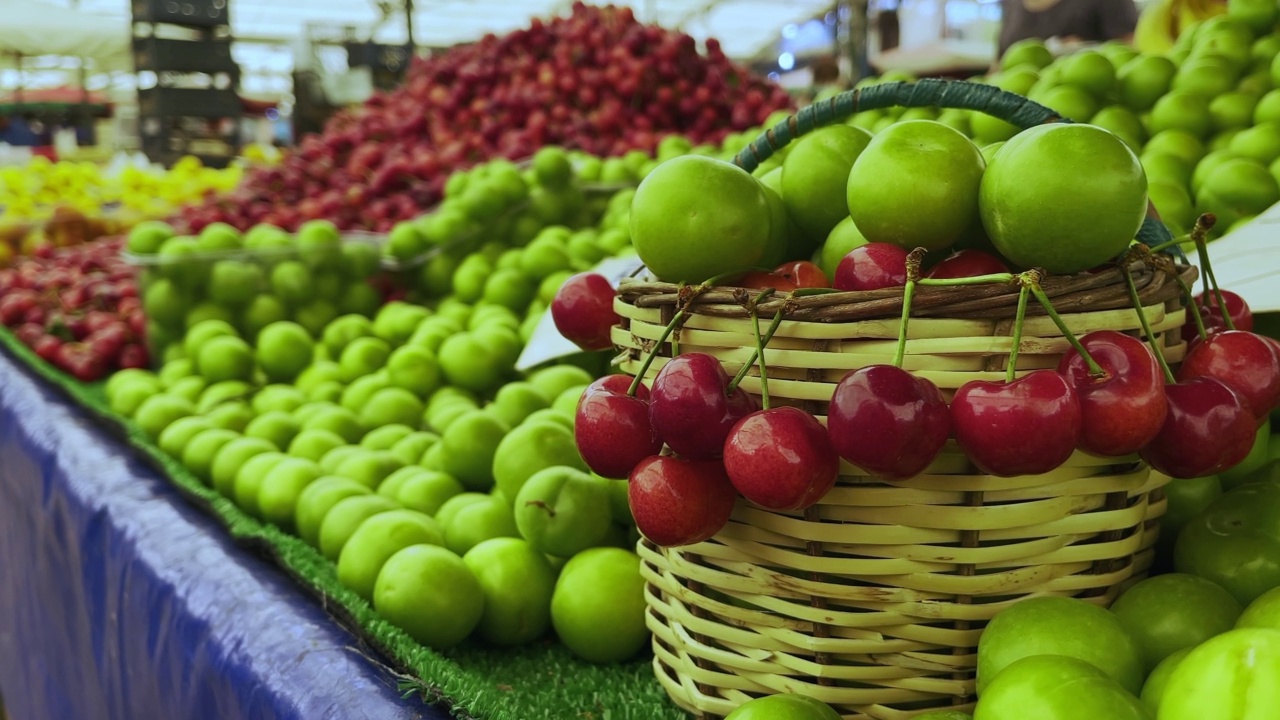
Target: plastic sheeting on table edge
column 120, row 603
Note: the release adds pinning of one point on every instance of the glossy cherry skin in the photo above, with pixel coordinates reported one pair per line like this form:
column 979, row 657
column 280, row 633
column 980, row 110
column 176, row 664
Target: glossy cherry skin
column 1242, row 360
column 583, row 311
column 1237, row 308
column 680, row 502
column 612, row 429
column 1124, row 409
column 781, row 459
column 1027, row 427
column 1209, row 428
column 888, row 422
column 803, row 274
column 968, row 263
column 871, row 267
column 688, row 407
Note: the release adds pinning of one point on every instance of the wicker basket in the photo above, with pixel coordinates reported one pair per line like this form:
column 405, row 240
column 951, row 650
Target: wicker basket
column 874, row 599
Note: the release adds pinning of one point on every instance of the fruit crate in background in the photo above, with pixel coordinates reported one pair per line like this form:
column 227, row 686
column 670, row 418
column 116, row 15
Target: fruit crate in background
column 250, row 288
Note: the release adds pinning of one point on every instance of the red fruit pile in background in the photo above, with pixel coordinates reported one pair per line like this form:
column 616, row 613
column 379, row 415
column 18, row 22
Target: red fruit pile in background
column 78, row 308
column 598, row 80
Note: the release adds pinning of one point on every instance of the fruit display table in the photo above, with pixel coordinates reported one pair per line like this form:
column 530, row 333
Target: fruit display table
column 120, row 600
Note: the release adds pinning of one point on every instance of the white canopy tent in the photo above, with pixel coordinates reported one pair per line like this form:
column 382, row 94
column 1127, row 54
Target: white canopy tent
column 267, row 29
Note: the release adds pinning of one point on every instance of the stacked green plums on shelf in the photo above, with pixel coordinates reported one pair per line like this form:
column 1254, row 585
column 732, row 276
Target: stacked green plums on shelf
column 250, row 281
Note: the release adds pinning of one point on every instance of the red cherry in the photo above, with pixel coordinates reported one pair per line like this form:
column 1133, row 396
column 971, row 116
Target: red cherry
column 1026, row 427
column 1242, row 360
column 781, row 459
column 47, row 347
column 1211, row 315
column 969, row 262
column 761, row 280
column 888, row 422
column 871, row 267
column 1209, row 428
column 803, row 274
column 583, row 311
column 680, row 502
column 81, row 362
column 133, row 356
column 612, row 429
column 1123, row 410
column 689, row 409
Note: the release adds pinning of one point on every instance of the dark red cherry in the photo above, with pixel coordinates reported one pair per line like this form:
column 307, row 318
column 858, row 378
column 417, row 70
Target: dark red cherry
column 969, row 262
column 583, row 311
column 680, row 502
column 1026, row 427
column 612, row 429
column 781, row 459
column 1209, row 428
column 689, row 409
column 1237, row 308
column 871, row 267
column 888, row 422
column 1242, row 360
column 1122, row 410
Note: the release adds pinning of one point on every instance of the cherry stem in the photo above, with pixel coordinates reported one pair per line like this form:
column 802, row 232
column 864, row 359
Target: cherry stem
column 657, row 347
column 1203, row 226
column 993, row 279
column 764, row 375
column 1146, row 325
column 1011, row 373
column 676, row 321
column 914, row 258
column 1095, row 369
column 755, row 354
column 1171, row 243
column 1193, row 306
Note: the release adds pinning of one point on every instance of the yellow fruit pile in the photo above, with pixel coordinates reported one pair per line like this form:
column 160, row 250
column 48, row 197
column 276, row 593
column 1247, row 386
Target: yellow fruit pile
column 33, row 192
column 1163, row 22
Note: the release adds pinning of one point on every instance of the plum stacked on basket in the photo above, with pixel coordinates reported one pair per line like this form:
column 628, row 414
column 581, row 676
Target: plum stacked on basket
column 836, row 504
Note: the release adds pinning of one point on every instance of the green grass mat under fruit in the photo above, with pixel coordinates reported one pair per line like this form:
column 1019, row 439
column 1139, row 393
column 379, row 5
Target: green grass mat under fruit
column 541, row 681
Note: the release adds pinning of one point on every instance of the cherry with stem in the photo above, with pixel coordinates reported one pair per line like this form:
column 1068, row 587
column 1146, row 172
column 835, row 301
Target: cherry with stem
column 884, row 420
column 779, row 458
column 1021, row 426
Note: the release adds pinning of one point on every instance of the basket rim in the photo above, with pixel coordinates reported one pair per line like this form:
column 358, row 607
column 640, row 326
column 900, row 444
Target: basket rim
column 1103, row 289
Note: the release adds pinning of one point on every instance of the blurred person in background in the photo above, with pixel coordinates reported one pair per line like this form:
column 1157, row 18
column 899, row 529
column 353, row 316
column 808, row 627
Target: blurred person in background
column 1067, row 20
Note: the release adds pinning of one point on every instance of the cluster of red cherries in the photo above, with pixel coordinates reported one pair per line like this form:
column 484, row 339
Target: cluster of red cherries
column 77, row 308
column 1110, row 396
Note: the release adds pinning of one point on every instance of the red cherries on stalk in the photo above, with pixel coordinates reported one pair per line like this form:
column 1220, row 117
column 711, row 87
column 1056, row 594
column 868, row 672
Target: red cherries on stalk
column 1026, row 427
column 871, row 267
column 781, row 459
column 583, row 311
column 1125, row 408
column 612, row 428
column 1209, row 428
column 689, row 409
column 1211, row 315
column 1243, row 361
column 680, row 502
column 888, row 422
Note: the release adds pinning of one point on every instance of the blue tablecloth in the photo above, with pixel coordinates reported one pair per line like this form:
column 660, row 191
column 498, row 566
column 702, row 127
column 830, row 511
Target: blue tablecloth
column 119, row 601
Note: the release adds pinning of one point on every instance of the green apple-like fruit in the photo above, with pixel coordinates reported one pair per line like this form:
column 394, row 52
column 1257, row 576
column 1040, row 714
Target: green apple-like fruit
column 1235, row 542
column 598, row 607
column 1056, row 687
column 787, row 706
column 431, row 593
column 1039, row 213
column 1167, row 613
column 1263, row 612
column 284, row 350
column 317, row 499
column 531, row 448
column 469, row 446
column 314, row 444
column 518, row 583
column 279, row 491
column 428, row 492
column 1158, row 680
column 1059, row 626
column 915, row 162
column 345, row 517
column 696, row 217
column 376, row 540
column 562, row 511
column 475, row 522
column 1230, row 677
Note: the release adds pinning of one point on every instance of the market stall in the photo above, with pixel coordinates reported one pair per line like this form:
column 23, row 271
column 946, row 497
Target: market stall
column 588, row 373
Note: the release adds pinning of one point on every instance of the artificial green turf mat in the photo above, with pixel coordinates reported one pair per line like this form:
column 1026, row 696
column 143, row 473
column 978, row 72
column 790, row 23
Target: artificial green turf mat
column 540, row 681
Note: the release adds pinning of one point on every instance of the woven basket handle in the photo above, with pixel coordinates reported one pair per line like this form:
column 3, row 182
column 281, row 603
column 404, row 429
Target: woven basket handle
column 949, row 94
